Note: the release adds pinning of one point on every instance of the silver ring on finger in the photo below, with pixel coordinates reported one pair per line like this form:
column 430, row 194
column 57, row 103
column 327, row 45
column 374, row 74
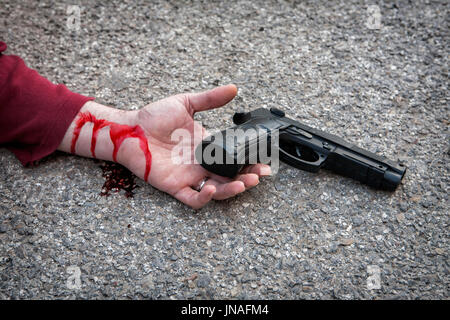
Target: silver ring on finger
column 201, row 184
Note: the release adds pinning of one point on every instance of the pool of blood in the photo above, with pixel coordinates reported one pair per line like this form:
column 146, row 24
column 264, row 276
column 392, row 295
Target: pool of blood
column 117, row 178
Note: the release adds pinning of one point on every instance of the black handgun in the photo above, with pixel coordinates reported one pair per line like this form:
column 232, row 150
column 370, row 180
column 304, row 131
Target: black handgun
column 299, row 145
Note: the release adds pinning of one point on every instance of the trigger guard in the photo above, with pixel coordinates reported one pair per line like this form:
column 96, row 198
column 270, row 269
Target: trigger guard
column 302, row 164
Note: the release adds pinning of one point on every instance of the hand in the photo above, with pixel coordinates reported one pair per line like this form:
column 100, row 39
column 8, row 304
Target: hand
column 159, row 120
column 98, row 131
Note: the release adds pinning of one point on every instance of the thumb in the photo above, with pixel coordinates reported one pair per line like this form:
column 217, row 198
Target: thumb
column 211, row 99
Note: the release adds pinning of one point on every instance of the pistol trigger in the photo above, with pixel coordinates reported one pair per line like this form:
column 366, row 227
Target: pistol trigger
column 299, row 155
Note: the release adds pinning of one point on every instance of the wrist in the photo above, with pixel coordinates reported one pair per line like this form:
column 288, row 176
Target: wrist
column 90, row 134
column 110, row 114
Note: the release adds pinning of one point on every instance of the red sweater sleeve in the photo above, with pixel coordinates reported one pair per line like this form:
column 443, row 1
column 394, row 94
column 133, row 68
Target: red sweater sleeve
column 34, row 113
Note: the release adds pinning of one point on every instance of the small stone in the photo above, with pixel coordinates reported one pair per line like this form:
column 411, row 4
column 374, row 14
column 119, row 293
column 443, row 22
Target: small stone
column 403, row 206
column 357, row 221
column 173, row 257
column 3, row 228
column 203, row 281
column 346, row 242
column 307, row 288
column 147, row 281
column 332, row 248
column 400, row 217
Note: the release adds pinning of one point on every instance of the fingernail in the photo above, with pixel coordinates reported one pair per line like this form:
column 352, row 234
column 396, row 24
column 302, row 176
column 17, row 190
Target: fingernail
column 266, row 171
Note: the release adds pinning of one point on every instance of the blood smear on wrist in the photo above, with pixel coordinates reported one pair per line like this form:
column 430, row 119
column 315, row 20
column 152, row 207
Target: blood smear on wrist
column 117, row 132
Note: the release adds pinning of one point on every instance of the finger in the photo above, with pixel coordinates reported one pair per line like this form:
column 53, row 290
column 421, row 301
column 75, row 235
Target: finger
column 226, row 190
column 250, row 176
column 195, row 199
column 211, row 99
column 259, row 169
column 249, row 179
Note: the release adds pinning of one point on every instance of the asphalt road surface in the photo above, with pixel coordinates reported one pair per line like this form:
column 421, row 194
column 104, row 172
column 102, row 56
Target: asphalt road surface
column 374, row 75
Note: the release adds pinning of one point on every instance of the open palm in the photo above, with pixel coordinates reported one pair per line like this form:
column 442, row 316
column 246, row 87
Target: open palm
column 159, row 120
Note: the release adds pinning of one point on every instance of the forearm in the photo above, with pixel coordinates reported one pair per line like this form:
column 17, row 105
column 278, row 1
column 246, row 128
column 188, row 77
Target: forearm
column 34, row 112
column 89, row 134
